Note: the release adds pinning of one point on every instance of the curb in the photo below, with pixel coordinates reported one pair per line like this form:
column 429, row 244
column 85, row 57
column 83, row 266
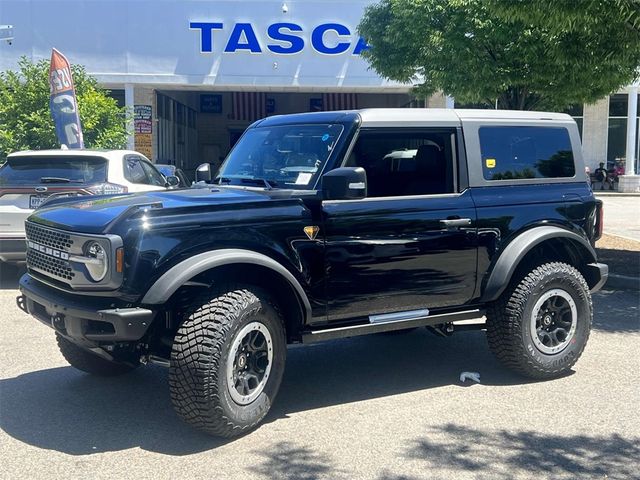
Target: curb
column 604, row 193
column 623, row 282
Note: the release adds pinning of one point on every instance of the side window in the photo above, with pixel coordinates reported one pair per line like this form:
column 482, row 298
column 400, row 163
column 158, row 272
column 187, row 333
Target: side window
column 154, row 177
column 133, row 170
column 526, row 152
column 401, row 162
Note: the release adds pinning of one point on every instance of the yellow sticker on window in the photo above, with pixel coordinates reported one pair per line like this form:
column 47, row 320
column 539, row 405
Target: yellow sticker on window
column 490, row 162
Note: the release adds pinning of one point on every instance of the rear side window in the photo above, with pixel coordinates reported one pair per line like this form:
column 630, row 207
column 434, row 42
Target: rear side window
column 155, row 177
column 526, row 152
column 136, row 170
column 38, row 170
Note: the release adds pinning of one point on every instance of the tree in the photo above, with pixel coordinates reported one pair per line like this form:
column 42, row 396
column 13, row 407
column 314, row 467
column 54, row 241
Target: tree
column 25, row 119
column 611, row 27
column 479, row 52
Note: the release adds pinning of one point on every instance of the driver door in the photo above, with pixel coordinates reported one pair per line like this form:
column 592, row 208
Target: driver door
column 411, row 244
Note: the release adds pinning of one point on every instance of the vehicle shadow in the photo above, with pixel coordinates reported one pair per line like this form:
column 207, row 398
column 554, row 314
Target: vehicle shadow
column 616, row 311
column 65, row 410
column 10, row 275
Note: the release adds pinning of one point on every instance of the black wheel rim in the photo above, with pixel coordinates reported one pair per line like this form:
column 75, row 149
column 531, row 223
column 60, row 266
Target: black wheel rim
column 249, row 362
column 553, row 321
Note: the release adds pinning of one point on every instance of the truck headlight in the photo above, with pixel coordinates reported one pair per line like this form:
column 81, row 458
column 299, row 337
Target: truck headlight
column 97, row 262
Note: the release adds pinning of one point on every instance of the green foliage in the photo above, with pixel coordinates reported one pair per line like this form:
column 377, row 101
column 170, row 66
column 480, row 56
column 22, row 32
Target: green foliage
column 480, row 51
column 25, row 119
column 595, row 17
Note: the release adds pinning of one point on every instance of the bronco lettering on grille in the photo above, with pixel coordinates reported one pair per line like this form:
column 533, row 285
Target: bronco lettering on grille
column 48, row 250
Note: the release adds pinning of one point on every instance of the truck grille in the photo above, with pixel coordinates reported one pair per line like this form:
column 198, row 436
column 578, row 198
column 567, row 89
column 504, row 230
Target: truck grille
column 47, row 237
column 48, row 251
column 55, row 267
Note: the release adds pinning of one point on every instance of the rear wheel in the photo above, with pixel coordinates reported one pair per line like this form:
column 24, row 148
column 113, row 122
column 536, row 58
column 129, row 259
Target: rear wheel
column 89, row 362
column 539, row 327
column 227, row 362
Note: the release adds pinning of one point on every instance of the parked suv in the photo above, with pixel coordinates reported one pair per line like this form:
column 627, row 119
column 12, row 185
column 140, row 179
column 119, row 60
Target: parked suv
column 29, row 178
column 485, row 218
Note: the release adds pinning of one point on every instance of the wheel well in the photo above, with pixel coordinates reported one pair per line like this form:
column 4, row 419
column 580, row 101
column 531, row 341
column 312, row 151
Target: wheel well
column 263, row 278
column 560, row 249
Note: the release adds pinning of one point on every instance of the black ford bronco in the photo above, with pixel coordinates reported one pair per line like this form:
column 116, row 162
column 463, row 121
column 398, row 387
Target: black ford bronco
column 327, row 225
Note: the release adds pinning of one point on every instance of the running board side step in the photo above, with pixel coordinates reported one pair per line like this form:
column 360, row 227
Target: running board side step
column 313, row 336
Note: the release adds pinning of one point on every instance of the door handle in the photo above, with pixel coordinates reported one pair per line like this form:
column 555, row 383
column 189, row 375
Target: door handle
column 454, row 223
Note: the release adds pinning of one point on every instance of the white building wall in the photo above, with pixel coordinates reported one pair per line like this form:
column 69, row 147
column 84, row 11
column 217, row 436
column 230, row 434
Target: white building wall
column 158, row 42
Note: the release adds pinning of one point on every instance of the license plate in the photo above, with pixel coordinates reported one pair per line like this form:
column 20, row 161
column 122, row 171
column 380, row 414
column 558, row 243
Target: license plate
column 36, row 200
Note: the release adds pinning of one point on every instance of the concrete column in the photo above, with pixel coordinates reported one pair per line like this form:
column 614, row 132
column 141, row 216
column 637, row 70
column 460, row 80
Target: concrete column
column 632, row 120
column 437, row 100
column 630, row 181
column 147, row 96
column 128, row 103
column 595, row 132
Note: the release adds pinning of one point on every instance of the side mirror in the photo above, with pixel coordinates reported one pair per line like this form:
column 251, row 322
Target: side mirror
column 204, row 173
column 172, row 181
column 345, row 183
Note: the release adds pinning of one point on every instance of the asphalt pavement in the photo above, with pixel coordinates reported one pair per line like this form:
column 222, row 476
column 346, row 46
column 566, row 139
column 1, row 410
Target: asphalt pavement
column 374, row 407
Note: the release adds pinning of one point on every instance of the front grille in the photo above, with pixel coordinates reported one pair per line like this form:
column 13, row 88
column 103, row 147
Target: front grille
column 48, row 251
column 49, row 238
column 55, row 267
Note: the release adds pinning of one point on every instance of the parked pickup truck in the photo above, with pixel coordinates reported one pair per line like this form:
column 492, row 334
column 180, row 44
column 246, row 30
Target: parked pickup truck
column 321, row 226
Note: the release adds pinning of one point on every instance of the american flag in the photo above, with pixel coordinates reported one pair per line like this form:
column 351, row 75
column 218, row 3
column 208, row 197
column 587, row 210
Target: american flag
column 339, row 101
column 248, row 106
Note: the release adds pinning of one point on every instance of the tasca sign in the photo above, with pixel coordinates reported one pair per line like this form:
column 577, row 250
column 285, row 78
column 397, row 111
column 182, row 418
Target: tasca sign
column 279, row 38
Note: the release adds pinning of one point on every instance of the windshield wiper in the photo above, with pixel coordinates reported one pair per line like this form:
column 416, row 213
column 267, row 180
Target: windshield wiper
column 54, row 180
column 268, row 184
column 261, row 181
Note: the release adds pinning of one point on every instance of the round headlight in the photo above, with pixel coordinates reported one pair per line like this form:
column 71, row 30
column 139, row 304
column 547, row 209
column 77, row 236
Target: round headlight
column 98, row 264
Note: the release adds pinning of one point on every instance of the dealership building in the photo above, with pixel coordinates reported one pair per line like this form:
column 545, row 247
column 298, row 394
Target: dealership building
column 196, row 73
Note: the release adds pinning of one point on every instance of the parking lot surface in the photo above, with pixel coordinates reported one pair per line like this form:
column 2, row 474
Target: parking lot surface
column 621, row 215
column 375, row 407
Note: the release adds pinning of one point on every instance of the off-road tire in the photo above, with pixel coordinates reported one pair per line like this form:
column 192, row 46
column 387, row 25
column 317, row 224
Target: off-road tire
column 197, row 381
column 509, row 317
column 89, row 362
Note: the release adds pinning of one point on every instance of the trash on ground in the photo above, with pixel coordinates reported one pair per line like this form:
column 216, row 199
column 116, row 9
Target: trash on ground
column 475, row 376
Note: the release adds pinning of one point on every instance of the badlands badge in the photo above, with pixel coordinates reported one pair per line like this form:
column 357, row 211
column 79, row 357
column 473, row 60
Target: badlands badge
column 312, row 231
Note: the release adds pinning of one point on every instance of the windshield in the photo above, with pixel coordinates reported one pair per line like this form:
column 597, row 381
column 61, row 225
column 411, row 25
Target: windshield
column 287, row 156
column 55, row 169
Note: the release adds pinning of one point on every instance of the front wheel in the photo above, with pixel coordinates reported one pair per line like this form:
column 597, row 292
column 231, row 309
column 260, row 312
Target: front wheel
column 539, row 327
column 227, row 362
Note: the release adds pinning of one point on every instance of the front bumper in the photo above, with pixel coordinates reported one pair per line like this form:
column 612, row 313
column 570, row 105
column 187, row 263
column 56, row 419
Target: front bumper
column 83, row 319
column 13, row 249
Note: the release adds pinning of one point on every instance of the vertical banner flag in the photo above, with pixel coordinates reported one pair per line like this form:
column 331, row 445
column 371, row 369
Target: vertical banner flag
column 62, row 103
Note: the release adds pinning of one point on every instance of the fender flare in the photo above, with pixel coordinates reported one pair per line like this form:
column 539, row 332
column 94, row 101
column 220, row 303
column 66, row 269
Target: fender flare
column 511, row 256
column 179, row 274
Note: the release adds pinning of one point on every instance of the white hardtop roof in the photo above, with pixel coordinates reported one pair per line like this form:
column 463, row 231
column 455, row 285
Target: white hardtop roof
column 73, row 153
column 408, row 116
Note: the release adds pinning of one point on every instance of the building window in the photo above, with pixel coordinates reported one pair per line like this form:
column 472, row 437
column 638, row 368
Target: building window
column 617, row 144
column 118, row 96
column 577, row 113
